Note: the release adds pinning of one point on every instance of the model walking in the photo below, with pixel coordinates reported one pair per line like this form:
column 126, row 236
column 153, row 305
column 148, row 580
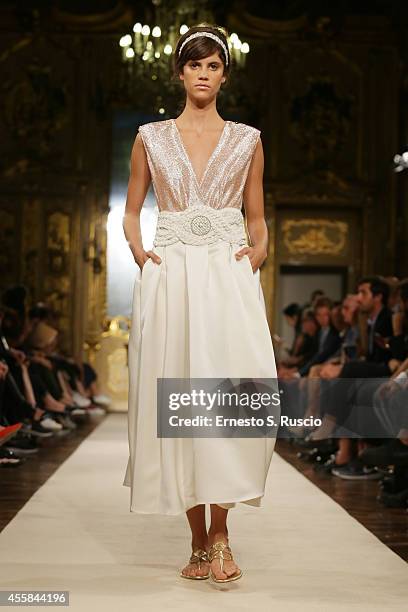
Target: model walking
column 198, row 307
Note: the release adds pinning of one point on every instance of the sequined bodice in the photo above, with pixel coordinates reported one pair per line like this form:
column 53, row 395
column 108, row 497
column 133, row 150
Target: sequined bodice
column 175, row 184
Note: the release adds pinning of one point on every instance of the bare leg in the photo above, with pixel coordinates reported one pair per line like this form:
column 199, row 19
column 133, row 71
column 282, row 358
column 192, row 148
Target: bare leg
column 66, row 389
column 196, row 519
column 218, row 532
column 80, row 388
column 28, row 388
column 345, row 452
column 52, row 404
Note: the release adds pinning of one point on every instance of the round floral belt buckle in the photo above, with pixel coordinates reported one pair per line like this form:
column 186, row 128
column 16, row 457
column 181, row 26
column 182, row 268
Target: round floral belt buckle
column 200, row 225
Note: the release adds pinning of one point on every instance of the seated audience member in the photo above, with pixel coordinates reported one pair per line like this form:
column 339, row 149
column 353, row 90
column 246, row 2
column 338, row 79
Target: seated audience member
column 328, row 339
column 62, row 373
column 350, row 346
column 336, row 316
column 80, row 376
column 292, row 314
column 308, row 348
column 349, row 349
column 315, row 295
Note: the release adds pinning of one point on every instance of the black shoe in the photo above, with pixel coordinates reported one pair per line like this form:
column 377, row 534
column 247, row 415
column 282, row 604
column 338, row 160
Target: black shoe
column 394, row 483
column 356, row 470
column 38, row 430
column 9, row 459
column 392, row 453
column 22, row 446
column 66, row 422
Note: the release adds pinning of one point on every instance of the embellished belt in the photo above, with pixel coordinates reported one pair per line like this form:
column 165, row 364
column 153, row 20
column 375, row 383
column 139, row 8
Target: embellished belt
column 200, row 224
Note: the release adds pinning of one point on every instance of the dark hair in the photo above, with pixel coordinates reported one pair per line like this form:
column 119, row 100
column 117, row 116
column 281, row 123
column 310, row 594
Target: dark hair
column 200, row 47
column 292, row 310
column 12, row 324
column 315, row 293
column 378, row 286
column 323, row 302
column 14, row 297
column 309, row 315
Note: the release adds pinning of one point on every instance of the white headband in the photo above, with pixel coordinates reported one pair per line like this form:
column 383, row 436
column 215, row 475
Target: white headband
column 210, row 35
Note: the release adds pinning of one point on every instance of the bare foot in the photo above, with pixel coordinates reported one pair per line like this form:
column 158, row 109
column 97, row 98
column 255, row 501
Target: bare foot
column 229, row 567
column 193, row 569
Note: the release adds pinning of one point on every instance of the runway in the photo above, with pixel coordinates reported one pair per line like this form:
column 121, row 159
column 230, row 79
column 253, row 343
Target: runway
column 301, row 551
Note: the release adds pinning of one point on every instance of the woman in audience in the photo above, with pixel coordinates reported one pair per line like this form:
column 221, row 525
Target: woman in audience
column 82, row 387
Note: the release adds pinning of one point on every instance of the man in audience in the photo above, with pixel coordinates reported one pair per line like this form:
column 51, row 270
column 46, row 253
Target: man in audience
column 327, row 337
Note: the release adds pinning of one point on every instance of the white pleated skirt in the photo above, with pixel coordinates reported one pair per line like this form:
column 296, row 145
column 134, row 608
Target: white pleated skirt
column 200, row 313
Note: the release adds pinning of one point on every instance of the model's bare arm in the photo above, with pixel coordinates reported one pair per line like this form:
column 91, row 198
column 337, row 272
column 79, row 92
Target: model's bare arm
column 253, row 197
column 138, row 185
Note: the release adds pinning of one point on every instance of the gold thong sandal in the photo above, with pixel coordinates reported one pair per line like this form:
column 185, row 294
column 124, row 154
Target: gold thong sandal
column 197, row 556
column 221, row 551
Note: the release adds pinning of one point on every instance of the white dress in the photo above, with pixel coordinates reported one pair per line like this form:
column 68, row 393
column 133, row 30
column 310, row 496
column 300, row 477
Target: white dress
column 198, row 314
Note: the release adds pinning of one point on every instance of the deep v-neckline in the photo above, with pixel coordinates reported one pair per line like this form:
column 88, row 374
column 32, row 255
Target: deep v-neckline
column 217, row 147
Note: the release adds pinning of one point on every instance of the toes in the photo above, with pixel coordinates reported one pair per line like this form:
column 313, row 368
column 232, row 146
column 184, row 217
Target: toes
column 220, row 575
column 228, row 570
column 193, row 570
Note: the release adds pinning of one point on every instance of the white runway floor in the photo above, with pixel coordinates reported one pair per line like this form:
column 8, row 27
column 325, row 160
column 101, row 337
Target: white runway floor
column 301, row 551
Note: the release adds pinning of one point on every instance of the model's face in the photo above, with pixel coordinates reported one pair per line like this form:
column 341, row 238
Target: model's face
column 203, row 78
